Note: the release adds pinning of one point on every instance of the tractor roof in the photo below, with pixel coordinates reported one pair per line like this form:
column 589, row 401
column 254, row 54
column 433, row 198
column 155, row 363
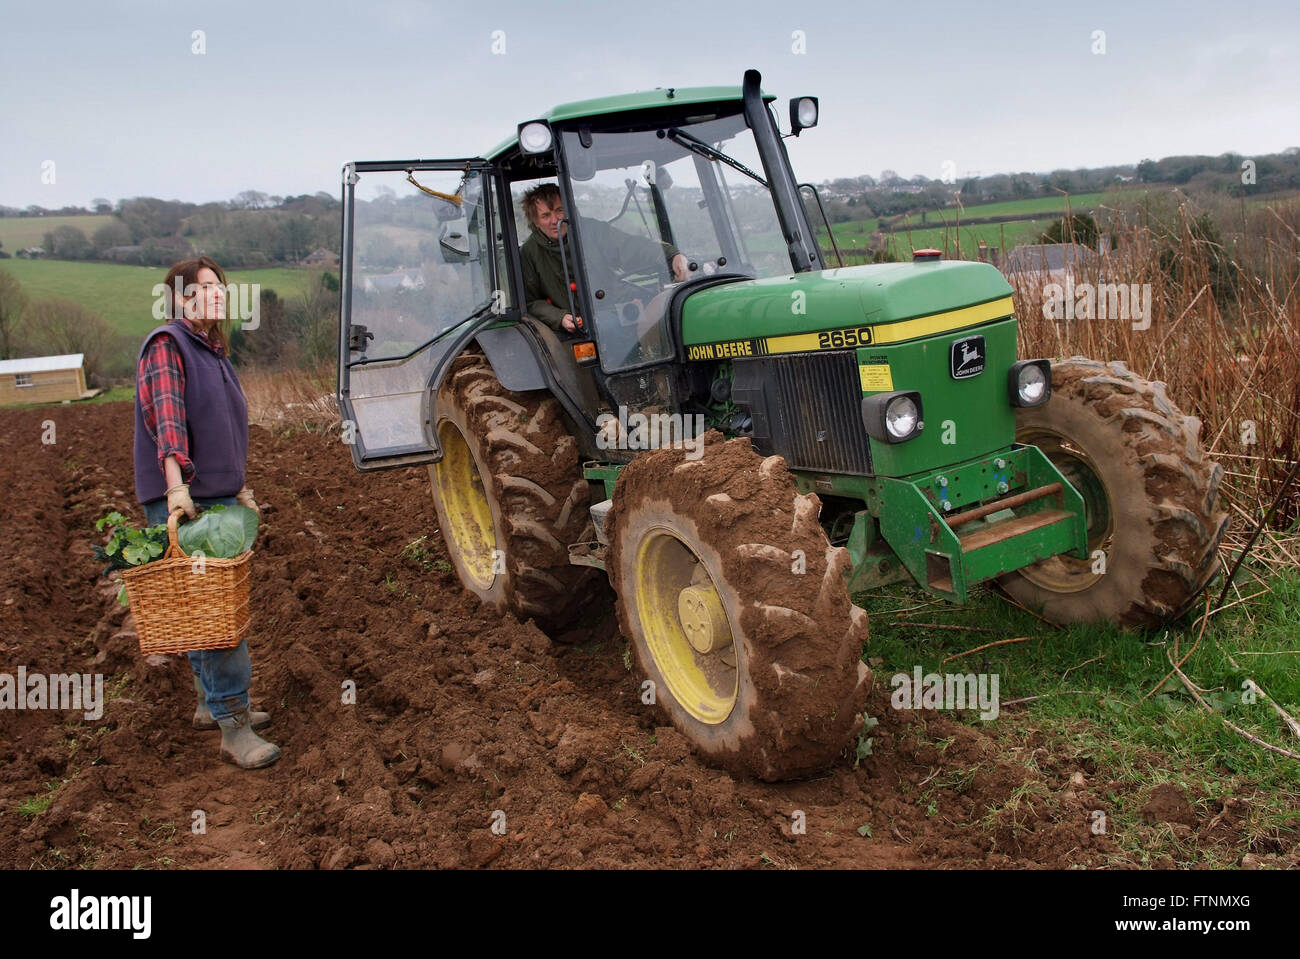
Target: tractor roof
column 630, row 103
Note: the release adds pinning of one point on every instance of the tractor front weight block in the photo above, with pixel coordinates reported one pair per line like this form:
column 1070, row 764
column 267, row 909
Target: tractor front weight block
column 967, row 524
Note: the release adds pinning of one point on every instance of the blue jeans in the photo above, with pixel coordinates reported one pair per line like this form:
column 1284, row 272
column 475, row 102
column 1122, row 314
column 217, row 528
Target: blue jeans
column 223, row 673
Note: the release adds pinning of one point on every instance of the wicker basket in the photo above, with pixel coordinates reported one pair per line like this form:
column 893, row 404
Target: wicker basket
column 177, row 608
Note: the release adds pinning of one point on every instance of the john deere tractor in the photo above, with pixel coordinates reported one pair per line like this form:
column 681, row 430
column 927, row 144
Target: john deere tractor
column 743, row 450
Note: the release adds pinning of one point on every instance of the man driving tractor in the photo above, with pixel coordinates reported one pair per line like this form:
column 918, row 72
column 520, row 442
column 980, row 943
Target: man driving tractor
column 547, row 288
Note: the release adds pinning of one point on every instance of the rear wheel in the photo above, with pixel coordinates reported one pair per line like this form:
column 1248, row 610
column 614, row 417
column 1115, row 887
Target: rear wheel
column 510, row 495
column 1150, row 495
column 736, row 606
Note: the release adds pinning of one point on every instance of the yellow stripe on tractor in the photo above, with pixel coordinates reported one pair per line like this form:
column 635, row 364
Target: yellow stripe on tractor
column 855, row 336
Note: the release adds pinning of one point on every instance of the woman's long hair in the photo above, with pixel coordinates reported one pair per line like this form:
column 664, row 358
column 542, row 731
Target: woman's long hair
column 188, row 272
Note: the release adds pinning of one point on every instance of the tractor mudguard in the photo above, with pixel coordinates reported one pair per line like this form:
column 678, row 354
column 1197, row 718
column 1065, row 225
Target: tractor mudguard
column 527, row 356
column 512, row 359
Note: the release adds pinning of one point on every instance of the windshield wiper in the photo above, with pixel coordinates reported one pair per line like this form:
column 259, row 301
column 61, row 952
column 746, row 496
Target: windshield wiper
column 696, row 145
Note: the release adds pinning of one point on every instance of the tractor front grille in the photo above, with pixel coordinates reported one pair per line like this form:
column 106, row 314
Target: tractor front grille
column 806, row 407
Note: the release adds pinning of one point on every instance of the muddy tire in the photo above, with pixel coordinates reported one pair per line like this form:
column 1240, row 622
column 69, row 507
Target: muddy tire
column 510, row 495
column 758, row 665
column 1150, row 492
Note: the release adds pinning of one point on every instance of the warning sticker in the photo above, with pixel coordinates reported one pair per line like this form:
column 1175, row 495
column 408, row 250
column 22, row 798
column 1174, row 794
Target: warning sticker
column 876, row 378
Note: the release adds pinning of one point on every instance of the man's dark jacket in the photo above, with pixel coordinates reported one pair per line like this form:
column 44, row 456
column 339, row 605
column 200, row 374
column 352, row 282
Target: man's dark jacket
column 546, row 289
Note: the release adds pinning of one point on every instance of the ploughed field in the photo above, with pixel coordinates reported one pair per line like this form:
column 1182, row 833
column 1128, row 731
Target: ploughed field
column 474, row 739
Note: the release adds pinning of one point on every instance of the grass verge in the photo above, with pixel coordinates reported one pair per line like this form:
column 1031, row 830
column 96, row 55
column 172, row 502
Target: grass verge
column 1102, row 699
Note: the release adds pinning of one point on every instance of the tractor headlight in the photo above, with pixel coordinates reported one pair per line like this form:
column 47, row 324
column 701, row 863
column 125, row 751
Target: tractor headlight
column 1029, row 382
column 535, row 136
column 900, row 418
column 803, row 114
column 893, row 417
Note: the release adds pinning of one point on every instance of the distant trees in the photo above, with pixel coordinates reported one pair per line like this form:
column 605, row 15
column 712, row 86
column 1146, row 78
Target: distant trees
column 68, row 243
column 250, row 200
column 148, row 217
column 12, row 303
column 111, row 234
column 298, row 333
column 60, row 326
column 1077, row 228
column 1223, row 174
column 251, row 230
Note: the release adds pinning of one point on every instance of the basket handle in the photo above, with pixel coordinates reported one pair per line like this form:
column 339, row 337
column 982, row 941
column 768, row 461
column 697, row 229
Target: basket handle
column 173, row 545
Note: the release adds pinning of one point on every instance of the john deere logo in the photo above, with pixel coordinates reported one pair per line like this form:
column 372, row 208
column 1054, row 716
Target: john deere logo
column 967, row 357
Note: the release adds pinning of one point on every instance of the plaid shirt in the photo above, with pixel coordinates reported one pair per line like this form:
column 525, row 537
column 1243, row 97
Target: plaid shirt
column 161, row 387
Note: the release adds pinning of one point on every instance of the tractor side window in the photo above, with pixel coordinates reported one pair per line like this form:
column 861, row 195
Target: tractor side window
column 627, row 243
column 421, row 257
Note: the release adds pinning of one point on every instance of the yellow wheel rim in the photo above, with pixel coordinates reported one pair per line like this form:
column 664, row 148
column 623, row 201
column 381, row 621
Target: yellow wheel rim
column 685, row 627
column 468, row 522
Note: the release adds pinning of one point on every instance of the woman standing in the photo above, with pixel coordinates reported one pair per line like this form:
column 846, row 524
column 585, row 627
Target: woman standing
column 191, row 450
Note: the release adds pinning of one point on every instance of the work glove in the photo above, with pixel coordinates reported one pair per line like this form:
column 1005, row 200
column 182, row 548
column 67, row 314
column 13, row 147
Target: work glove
column 245, row 498
column 178, row 497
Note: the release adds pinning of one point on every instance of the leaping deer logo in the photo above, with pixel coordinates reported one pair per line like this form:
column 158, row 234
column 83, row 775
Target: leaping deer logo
column 967, row 355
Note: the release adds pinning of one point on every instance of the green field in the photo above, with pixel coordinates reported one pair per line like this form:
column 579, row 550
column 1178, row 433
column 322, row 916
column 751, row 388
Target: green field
column 1000, row 235
column 19, row 232
column 123, row 295
column 1042, row 204
column 856, row 234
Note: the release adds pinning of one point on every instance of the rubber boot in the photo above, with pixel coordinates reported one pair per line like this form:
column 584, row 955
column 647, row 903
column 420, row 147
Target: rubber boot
column 203, row 716
column 243, row 747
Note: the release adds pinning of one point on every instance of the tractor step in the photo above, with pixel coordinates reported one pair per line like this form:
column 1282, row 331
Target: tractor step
column 1001, row 532
column 938, row 567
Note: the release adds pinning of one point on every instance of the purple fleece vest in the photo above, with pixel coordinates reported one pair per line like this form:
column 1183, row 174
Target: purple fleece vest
column 216, row 418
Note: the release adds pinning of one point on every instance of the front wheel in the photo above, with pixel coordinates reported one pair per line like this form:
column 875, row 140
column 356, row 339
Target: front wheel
column 510, row 495
column 736, row 606
column 1149, row 492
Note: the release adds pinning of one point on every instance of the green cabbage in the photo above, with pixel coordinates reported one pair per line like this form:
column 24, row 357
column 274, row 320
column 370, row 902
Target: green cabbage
column 220, row 532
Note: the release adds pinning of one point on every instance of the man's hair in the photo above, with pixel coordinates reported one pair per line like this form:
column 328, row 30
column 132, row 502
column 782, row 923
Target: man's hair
column 543, row 191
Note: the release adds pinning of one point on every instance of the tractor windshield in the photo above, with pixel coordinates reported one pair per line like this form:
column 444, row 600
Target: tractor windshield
column 645, row 196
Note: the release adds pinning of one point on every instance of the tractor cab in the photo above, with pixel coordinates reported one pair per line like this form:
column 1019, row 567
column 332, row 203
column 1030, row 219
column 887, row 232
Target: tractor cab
column 663, row 193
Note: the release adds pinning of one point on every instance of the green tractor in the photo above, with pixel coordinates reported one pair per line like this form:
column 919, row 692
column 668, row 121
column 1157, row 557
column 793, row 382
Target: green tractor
column 739, row 436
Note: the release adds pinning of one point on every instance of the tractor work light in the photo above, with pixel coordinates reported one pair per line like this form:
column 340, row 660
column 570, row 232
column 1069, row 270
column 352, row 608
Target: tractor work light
column 1029, row 382
column 803, row 114
column 893, row 417
column 535, row 136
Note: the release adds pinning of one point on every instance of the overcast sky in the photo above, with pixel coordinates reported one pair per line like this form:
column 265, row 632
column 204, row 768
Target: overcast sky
column 286, row 91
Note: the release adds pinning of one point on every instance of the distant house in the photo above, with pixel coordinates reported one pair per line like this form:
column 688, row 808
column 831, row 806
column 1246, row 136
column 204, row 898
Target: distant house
column 1048, row 262
column 123, row 253
column 321, row 257
column 43, row 379
column 31, row 252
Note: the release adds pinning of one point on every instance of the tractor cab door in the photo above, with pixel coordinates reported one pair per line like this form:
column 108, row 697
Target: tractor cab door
column 419, row 276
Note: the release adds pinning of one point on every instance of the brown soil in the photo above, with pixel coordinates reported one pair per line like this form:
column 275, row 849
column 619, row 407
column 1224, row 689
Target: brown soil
column 464, row 718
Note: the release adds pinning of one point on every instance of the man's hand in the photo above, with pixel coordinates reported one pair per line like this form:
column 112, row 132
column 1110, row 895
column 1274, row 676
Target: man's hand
column 245, row 498
column 178, row 497
column 681, row 268
column 568, row 323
